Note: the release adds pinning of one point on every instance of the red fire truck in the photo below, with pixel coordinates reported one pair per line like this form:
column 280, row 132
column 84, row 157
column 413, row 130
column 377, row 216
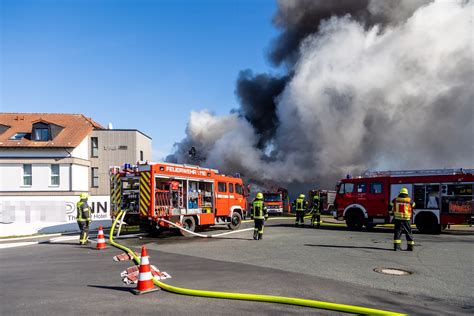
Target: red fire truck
column 442, row 197
column 189, row 196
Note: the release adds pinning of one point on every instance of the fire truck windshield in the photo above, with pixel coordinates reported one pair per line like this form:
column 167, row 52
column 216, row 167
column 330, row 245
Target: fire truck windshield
column 272, row 197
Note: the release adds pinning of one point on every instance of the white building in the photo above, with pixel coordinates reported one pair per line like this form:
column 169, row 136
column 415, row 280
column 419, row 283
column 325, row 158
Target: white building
column 47, row 160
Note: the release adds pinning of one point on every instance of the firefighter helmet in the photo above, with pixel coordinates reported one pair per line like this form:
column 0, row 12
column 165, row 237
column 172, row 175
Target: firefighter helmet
column 84, row 196
column 301, row 196
column 403, row 191
column 259, row 195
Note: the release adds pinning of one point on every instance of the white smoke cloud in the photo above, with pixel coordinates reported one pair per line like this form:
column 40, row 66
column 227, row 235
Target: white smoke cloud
column 397, row 97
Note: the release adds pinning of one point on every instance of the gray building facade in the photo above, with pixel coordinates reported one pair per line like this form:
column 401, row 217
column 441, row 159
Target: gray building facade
column 114, row 147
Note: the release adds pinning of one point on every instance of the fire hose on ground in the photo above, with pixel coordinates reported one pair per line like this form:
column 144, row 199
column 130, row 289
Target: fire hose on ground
column 251, row 297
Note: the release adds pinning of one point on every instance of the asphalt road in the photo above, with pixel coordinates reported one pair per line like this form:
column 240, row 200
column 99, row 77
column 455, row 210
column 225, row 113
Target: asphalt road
column 330, row 264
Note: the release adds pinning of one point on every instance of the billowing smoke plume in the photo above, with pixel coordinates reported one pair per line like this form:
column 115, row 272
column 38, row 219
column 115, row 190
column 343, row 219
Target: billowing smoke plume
column 302, row 18
column 370, row 85
column 257, row 96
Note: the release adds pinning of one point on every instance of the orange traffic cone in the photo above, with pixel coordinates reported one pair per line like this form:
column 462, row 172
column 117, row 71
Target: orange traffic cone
column 100, row 239
column 145, row 279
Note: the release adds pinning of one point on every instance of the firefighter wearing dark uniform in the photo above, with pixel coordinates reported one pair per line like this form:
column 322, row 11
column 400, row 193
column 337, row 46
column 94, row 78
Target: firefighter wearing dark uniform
column 300, row 206
column 316, row 210
column 259, row 214
column 83, row 218
column 401, row 209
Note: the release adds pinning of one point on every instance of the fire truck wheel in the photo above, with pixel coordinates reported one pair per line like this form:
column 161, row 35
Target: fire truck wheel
column 235, row 221
column 190, row 224
column 427, row 223
column 354, row 219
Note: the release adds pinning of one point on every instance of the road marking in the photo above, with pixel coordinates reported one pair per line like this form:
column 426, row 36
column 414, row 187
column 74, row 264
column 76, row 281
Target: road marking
column 28, row 237
column 64, row 238
column 18, row 244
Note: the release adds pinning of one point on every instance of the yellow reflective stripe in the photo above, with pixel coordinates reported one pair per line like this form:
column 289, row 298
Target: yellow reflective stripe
column 145, row 192
column 397, row 241
column 411, row 242
column 143, row 207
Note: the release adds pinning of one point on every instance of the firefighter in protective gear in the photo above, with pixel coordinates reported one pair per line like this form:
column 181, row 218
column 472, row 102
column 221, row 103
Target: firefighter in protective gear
column 83, row 217
column 259, row 214
column 300, row 207
column 316, row 211
column 401, row 210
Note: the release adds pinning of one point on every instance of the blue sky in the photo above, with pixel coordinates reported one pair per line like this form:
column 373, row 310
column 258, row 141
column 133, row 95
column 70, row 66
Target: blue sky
column 137, row 64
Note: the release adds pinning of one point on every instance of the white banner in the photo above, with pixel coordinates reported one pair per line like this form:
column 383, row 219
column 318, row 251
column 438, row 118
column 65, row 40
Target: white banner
column 34, row 209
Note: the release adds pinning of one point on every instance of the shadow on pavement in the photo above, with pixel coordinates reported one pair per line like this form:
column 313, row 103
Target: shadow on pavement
column 336, row 227
column 116, row 288
column 349, row 247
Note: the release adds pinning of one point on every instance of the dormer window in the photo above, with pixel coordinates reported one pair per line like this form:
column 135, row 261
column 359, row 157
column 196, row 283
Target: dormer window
column 3, row 128
column 19, row 136
column 41, row 132
column 45, row 131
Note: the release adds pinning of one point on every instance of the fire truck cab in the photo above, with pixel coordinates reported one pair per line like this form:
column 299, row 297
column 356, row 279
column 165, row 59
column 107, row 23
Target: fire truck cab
column 442, row 197
column 274, row 202
column 189, row 196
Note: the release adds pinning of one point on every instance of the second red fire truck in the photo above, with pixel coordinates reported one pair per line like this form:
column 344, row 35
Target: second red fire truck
column 442, row 197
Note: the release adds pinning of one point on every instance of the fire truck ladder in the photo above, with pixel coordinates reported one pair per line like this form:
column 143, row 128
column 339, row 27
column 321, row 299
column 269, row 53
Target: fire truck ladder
column 428, row 172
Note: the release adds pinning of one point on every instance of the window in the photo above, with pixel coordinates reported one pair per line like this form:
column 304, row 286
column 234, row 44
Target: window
column 346, row 187
column 41, row 133
column 239, row 189
column 426, row 196
column 231, row 188
column 272, row 197
column 27, row 175
column 94, row 147
column 361, row 187
column 95, row 177
column 419, row 196
column 3, row 128
column 141, row 155
column 460, row 189
column 376, row 188
column 18, row 136
column 432, row 196
column 55, row 174
column 221, row 187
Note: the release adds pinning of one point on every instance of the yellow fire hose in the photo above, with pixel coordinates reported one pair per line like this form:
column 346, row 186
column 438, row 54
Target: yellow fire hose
column 253, row 297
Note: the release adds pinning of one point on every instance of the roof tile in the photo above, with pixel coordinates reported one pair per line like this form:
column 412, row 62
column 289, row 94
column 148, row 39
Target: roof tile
column 75, row 128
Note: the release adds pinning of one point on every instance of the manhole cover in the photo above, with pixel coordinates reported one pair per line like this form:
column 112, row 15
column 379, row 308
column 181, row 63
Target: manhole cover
column 392, row 271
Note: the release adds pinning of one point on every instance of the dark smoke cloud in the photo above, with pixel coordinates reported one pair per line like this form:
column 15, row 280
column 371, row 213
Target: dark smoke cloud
column 298, row 19
column 258, row 95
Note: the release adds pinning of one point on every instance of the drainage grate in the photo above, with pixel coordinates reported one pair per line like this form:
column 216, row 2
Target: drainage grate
column 392, row 271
